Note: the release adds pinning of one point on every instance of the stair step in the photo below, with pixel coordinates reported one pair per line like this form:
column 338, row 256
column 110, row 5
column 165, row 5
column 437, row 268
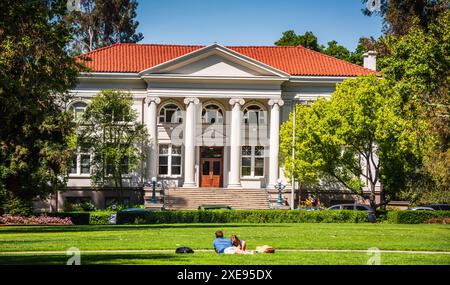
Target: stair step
column 244, row 199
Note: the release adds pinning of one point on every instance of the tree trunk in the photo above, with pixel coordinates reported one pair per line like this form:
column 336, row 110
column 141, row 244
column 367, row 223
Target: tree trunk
column 372, row 197
column 299, row 194
column 382, row 198
column 91, row 36
column 120, row 183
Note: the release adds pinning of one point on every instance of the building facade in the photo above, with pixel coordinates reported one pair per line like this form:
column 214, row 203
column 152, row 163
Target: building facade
column 213, row 113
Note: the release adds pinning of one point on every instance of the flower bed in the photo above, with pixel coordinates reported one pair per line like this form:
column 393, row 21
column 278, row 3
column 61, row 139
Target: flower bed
column 33, row 220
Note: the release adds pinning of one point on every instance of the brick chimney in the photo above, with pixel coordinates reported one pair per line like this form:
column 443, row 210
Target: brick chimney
column 370, row 60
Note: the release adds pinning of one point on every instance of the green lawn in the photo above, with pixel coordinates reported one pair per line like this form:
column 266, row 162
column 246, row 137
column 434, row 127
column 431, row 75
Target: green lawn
column 199, row 236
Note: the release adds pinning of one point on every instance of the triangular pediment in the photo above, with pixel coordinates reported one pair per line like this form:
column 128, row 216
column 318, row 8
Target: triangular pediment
column 215, row 61
column 216, row 65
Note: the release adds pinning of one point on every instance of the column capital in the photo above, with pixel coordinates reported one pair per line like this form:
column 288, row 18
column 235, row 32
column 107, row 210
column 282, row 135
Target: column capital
column 150, row 99
column 189, row 100
column 235, row 101
column 279, row 102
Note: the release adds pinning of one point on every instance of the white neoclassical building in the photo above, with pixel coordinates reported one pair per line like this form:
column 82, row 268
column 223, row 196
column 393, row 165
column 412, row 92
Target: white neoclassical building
column 213, row 112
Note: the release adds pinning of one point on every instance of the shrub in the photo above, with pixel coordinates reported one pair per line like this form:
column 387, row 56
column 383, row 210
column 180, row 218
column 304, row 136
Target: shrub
column 15, row 206
column 81, row 207
column 33, row 220
column 415, row 217
column 242, row 216
column 99, row 218
column 77, row 218
column 116, row 207
column 382, row 215
column 130, row 217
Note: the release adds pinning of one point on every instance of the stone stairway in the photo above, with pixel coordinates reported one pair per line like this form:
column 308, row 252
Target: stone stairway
column 238, row 199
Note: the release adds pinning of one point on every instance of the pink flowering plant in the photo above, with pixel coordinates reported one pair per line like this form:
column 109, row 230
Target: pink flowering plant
column 34, row 220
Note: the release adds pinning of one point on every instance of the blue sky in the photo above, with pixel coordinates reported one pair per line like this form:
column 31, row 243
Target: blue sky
column 253, row 22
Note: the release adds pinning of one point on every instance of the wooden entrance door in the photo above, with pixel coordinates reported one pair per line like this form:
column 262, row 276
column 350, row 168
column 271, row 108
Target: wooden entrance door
column 211, row 175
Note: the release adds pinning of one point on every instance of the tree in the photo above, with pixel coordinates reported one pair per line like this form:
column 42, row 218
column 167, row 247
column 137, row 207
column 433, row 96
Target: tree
column 289, row 38
column 337, row 51
column 308, row 40
column 419, row 68
column 100, row 23
column 369, row 44
column 356, row 136
column 111, row 132
column 36, row 134
column 399, row 15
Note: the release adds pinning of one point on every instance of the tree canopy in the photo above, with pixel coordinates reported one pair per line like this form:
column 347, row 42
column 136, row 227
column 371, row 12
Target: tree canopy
column 309, row 40
column 338, row 51
column 418, row 66
column 400, row 15
column 100, row 23
column 35, row 73
column 290, row 38
column 111, row 132
column 357, row 136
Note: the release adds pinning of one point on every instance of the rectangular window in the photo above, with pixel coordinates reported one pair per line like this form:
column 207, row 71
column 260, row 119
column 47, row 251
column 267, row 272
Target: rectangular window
column 73, row 165
column 246, row 166
column 124, row 165
column 81, row 161
column 164, row 159
column 85, row 163
column 252, row 161
column 176, row 160
column 259, row 166
column 246, row 161
column 170, row 158
column 259, row 161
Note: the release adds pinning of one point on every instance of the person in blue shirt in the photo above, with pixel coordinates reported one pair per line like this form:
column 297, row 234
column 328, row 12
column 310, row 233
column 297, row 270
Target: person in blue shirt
column 221, row 243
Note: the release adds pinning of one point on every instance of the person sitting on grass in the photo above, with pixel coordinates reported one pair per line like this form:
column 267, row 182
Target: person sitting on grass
column 221, row 243
column 240, row 244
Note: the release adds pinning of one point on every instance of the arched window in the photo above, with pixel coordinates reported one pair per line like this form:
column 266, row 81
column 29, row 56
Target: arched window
column 170, row 114
column 254, row 115
column 78, row 109
column 212, row 114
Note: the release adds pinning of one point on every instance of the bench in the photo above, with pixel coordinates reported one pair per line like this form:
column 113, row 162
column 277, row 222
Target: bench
column 214, row 207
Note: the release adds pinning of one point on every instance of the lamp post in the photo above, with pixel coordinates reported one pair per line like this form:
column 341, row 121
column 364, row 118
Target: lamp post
column 294, row 123
column 153, row 201
column 279, row 186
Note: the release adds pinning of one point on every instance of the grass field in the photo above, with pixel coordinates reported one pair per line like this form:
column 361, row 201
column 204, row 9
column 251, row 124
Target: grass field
column 295, row 243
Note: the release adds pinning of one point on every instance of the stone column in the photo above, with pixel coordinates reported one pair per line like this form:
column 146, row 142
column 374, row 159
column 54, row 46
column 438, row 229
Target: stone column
column 151, row 123
column 274, row 141
column 189, row 142
column 234, row 179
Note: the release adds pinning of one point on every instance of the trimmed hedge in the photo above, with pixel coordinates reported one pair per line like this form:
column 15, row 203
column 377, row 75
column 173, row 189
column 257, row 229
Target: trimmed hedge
column 99, row 218
column 242, row 216
column 249, row 216
column 85, row 218
column 77, row 218
column 414, row 217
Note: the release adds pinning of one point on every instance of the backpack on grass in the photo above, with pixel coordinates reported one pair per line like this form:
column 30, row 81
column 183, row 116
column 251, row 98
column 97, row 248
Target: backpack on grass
column 184, row 249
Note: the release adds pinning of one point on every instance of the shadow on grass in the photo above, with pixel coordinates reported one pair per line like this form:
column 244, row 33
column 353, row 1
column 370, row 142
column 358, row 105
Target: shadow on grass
column 112, row 228
column 58, row 259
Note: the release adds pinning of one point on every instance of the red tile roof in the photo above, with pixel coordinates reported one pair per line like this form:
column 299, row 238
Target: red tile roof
column 293, row 60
